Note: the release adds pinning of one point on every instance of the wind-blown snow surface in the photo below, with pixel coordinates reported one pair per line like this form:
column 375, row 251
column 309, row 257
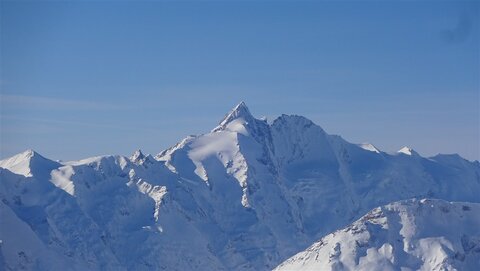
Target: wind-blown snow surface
column 247, row 195
column 406, row 235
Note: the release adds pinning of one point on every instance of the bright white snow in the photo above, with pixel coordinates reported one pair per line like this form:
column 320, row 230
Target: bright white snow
column 246, row 196
column 406, row 235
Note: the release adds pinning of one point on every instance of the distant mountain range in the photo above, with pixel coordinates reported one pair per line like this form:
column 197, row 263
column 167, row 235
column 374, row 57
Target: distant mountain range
column 249, row 195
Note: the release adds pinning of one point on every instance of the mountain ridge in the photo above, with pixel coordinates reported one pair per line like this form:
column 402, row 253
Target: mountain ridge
column 246, row 195
column 424, row 234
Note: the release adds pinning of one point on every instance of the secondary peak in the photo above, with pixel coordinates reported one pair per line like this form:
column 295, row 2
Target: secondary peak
column 408, row 151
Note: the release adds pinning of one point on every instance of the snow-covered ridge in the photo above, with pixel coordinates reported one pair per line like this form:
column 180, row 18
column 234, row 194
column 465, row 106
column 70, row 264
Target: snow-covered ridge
column 248, row 195
column 408, row 151
column 369, row 147
column 25, row 163
column 409, row 235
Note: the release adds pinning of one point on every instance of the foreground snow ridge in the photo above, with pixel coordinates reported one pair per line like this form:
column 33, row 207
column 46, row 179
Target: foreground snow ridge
column 246, row 196
column 408, row 235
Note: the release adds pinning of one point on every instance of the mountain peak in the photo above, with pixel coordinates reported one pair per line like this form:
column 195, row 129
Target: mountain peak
column 369, row 147
column 20, row 157
column 241, row 104
column 137, row 156
column 28, row 154
column 240, row 114
column 408, row 151
column 27, row 163
column 239, row 111
column 295, row 122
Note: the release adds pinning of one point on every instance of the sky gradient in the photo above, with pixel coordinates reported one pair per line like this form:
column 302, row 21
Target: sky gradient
column 80, row 79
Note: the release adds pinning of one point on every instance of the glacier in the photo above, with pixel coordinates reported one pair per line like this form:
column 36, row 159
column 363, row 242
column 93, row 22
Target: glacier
column 246, row 196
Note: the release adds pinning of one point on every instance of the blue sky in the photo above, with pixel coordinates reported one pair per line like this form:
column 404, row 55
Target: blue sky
column 103, row 77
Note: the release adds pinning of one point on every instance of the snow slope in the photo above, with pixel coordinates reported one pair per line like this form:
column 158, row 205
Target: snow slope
column 407, row 235
column 245, row 196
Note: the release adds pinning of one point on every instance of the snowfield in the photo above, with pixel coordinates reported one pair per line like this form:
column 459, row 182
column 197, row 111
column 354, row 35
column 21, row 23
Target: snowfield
column 407, row 235
column 246, row 196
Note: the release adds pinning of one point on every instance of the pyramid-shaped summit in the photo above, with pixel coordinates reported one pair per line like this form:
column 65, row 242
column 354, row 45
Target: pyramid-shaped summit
column 239, row 111
column 29, row 162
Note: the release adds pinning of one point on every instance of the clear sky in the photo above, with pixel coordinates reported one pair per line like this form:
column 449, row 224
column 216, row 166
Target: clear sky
column 80, row 79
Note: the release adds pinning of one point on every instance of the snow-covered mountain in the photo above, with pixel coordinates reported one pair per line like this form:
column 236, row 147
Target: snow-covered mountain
column 406, row 235
column 246, row 196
